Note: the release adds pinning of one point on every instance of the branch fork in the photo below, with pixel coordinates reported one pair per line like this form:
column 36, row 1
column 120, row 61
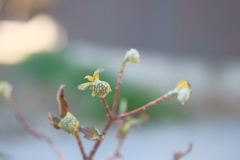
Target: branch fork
column 100, row 88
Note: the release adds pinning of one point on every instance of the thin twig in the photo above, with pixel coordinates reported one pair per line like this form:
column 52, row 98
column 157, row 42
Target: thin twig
column 53, row 145
column 124, row 115
column 178, row 155
column 117, row 89
column 150, row 104
column 116, row 153
column 81, row 146
column 97, row 144
column 110, row 115
column 117, row 150
column 31, row 130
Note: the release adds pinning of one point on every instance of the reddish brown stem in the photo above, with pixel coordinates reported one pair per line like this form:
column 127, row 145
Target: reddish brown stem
column 116, row 153
column 31, row 130
column 117, row 150
column 150, row 104
column 124, row 115
column 110, row 115
column 80, row 146
column 97, row 144
column 54, row 146
column 178, row 155
column 117, row 90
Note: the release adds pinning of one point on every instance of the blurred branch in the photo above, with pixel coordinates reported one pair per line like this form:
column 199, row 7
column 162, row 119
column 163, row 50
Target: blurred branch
column 123, row 116
column 31, row 130
column 143, row 108
column 178, row 155
column 80, row 146
column 117, row 150
column 97, row 144
column 110, row 115
column 117, row 153
column 117, row 90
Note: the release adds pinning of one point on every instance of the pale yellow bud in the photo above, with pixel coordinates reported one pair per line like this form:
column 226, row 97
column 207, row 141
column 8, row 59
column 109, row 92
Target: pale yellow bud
column 69, row 124
column 100, row 88
column 5, row 89
column 183, row 91
column 132, row 56
column 183, row 95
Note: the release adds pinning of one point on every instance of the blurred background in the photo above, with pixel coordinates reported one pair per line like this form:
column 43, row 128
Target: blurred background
column 45, row 43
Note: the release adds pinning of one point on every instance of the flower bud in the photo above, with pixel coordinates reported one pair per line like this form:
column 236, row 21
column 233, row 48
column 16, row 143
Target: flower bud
column 100, row 88
column 5, row 89
column 184, row 95
column 183, row 91
column 132, row 56
column 69, row 124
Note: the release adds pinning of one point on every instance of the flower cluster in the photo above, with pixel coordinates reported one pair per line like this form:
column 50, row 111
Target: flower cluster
column 98, row 87
column 69, row 123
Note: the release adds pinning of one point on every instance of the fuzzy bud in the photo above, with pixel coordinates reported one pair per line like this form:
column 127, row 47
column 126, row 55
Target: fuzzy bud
column 5, row 89
column 132, row 56
column 101, row 89
column 69, row 124
column 183, row 91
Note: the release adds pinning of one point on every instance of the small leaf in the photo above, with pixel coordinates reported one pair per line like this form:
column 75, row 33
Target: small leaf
column 125, row 128
column 99, row 70
column 92, row 134
column 182, row 84
column 128, row 123
column 90, row 78
column 84, row 86
column 54, row 121
column 63, row 106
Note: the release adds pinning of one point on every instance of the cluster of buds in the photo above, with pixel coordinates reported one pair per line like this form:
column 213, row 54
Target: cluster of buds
column 69, row 123
column 98, row 87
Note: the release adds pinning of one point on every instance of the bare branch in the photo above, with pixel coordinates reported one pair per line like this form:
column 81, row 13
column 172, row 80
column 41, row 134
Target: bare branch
column 120, row 122
column 110, row 115
column 117, row 150
column 117, row 89
column 97, row 144
column 81, row 146
column 178, row 155
column 31, row 130
column 150, row 104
